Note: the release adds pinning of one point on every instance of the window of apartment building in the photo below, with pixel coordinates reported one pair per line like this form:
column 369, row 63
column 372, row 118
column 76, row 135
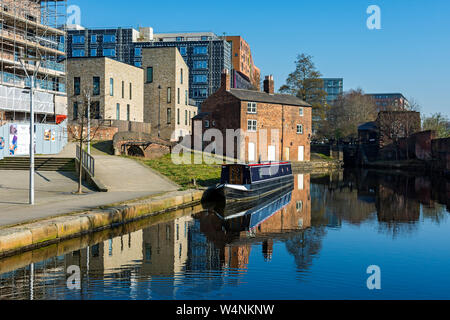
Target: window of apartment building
column 204, row 38
column 200, row 78
column 252, row 125
column 128, row 112
column 301, row 111
column 183, row 51
column 169, row 115
column 118, row 111
column 251, row 107
column 181, row 76
column 78, row 39
column 131, row 91
column 76, row 85
column 206, row 123
column 169, row 95
column 111, row 87
column 123, row 89
column 201, row 50
column 93, row 52
column 78, row 53
column 149, row 74
column 75, row 110
column 94, row 38
column 109, row 38
column 180, row 38
column 109, row 52
column 299, row 129
column 178, row 116
column 185, row 117
column 96, row 86
column 190, row 117
column 137, row 52
column 178, row 96
column 95, row 110
column 200, row 93
column 200, row 64
column 138, row 64
column 186, row 95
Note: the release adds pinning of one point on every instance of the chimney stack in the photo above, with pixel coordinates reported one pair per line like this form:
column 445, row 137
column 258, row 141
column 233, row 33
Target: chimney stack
column 269, row 85
column 225, row 83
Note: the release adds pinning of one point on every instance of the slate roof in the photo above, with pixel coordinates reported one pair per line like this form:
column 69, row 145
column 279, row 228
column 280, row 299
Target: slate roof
column 368, row 126
column 260, row 96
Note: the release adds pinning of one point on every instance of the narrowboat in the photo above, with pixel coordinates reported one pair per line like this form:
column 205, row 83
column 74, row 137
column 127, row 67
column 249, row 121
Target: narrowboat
column 249, row 183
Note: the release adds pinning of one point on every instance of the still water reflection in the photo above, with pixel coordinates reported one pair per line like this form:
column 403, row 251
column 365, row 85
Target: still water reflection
column 313, row 242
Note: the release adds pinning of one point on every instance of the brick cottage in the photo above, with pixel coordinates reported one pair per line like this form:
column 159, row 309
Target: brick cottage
column 273, row 126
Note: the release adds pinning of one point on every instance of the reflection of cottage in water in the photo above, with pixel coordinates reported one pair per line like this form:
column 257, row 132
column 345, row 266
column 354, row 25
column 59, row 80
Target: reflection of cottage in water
column 235, row 237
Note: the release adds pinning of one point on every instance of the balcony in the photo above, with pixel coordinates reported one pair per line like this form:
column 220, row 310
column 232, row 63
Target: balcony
column 40, row 84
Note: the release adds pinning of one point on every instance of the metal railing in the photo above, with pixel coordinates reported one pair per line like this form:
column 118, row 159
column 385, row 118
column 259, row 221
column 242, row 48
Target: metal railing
column 88, row 162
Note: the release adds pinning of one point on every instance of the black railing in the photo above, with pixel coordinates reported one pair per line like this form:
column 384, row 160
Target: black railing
column 87, row 162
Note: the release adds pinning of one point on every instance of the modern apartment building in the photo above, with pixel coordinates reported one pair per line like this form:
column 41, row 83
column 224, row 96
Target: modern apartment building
column 116, row 89
column 166, row 93
column 205, row 53
column 386, row 101
column 32, row 41
column 242, row 60
column 117, row 43
column 334, row 87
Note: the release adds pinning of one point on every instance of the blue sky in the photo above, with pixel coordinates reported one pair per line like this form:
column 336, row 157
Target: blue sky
column 410, row 54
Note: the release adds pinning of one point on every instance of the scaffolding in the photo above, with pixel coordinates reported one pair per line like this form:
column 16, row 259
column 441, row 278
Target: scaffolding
column 32, row 29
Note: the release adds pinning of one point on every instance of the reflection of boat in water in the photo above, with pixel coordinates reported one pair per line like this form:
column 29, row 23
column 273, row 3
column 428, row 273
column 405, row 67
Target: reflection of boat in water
column 252, row 182
column 237, row 221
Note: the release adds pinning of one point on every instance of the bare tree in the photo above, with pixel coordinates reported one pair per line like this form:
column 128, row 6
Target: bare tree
column 348, row 112
column 438, row 123
column 396, row 123
column 87, row 114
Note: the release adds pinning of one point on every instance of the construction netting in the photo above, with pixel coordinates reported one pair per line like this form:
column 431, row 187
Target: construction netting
column 17, row 99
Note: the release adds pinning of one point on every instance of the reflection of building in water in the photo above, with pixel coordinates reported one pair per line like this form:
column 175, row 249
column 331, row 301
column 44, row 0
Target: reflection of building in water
column 336, row 199
column 165, row 247
column 109, row 257
column 234, row 246
column 33, row 283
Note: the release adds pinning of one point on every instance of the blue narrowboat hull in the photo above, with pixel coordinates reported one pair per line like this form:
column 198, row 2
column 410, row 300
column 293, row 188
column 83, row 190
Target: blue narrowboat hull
column 277, row 179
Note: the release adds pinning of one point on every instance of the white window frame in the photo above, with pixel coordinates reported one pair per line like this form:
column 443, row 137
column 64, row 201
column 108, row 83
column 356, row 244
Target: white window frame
column 251, row 107
column 252, row 125
column 302, row 112
column 301, row 129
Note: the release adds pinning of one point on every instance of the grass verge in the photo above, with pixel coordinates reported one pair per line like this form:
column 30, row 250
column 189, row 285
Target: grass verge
column 204, row 174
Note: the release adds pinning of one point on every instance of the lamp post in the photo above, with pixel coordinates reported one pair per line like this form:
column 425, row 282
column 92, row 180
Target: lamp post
column 89, row 124
column 159, row 112
column 32, row 78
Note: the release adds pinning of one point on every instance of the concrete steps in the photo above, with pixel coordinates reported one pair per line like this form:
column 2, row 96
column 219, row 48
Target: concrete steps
column 41, row 164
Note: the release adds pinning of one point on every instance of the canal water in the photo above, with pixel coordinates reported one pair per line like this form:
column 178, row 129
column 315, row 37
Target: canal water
column 313, row 242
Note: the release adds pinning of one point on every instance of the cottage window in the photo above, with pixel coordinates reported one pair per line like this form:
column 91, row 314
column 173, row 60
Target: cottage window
column 299, row 129
column 251, row 107
column 301, row 111
column 252, row 125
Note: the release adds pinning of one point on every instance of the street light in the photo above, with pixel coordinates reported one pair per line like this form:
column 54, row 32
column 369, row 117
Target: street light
column 159, row 112
column 32, row 142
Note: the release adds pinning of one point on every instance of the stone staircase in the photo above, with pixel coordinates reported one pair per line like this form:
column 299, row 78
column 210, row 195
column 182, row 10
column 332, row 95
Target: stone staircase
column 40, row 163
